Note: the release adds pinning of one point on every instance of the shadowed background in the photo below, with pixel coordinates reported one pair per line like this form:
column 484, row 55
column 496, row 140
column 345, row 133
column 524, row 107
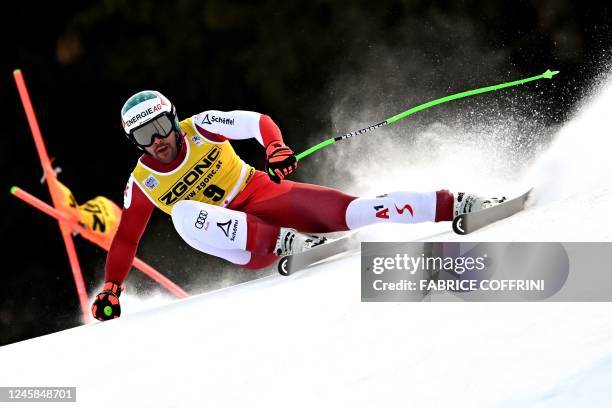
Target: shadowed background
column 314, row 67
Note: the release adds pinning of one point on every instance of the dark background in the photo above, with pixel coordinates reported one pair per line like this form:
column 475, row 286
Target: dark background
column 295, row 61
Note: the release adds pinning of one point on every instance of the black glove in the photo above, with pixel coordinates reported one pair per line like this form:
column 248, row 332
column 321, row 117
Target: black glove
column 280, row 161
column 106, row 306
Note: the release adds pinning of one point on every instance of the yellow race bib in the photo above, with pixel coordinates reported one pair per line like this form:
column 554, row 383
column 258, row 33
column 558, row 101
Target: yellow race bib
column 211, row 172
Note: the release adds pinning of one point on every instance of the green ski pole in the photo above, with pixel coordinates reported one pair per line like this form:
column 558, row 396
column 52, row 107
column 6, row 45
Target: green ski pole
column 548, row 75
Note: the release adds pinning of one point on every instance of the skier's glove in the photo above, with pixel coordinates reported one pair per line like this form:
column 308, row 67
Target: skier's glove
column 106, row 306
column 280, row 161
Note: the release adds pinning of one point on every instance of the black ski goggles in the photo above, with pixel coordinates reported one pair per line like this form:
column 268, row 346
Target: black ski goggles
column 160, row 126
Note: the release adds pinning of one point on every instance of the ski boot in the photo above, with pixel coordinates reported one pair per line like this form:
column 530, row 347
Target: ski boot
column 291, row 242
column 467, row 203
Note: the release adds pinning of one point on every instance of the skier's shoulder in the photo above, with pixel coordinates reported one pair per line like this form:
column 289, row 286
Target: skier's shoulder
column 134, row 194
column 127, row 192
column 209, row 124
column 213, row 118
column 138, row 170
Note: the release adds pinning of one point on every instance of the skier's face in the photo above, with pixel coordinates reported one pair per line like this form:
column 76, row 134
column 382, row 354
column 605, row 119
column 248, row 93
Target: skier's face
column 164, row 149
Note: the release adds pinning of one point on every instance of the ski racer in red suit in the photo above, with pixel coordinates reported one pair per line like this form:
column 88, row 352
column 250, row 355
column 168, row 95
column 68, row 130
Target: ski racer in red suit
column 224, row 207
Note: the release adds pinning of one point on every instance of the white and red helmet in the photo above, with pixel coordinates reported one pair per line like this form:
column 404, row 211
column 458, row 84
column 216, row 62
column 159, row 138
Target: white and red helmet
column 146, row 114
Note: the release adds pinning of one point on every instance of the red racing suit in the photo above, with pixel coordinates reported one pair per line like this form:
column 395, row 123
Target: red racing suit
column 305, row 207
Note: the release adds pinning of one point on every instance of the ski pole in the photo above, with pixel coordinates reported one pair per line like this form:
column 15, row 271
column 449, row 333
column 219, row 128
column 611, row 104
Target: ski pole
column 548, row 75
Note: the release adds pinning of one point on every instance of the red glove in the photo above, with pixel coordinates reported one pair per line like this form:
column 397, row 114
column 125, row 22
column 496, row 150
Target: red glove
column 280, row 161
column 106, row 306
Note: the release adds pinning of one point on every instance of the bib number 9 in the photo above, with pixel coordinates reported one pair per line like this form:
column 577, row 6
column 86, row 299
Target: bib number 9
column 215, row 193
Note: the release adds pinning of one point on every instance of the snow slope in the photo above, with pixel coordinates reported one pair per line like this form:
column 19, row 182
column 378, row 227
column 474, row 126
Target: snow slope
column 307, row 340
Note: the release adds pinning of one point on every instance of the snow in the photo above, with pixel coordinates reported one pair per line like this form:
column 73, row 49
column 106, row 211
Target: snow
column 307, row 340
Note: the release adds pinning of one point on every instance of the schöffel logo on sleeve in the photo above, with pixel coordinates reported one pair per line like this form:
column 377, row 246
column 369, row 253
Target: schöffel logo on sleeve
column 210, row 119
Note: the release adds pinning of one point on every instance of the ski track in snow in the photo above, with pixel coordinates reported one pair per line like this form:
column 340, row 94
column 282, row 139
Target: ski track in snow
column 307, row 340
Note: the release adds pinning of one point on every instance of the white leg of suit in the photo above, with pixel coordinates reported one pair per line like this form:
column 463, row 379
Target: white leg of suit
column 402, row 206
column 214, row 230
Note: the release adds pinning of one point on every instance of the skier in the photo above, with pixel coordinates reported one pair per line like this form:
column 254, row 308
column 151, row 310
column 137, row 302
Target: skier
column 222, row 206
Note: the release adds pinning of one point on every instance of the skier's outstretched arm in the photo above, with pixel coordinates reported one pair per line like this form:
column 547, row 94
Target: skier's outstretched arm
column 136, row 213
column 219, row 126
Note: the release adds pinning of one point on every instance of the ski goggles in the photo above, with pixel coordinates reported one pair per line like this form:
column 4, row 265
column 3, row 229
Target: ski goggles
column 160, row 126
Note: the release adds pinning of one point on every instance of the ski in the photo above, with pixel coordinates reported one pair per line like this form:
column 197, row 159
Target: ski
column 292, row 263
column 470, row 222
